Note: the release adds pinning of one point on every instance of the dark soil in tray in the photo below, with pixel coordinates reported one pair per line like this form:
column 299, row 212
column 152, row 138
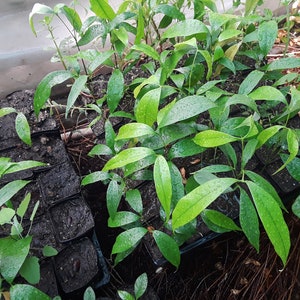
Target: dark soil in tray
column 77, row 265
column 71, row 219
column 58, row 183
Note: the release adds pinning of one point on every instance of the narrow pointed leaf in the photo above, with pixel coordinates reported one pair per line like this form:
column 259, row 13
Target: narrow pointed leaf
column 272, row 219
column 192, row 204
column 250, row 82
column 163, row 183
column 23, row 129
column 134, row 130
column 10, row 189
column 115, row 90
column 168, row 247
column 212, row 138
column 102, row 9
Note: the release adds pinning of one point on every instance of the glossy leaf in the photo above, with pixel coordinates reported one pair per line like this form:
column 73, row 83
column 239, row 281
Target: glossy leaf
column 140, row 285
column 147, row 108
column 10, row 189
column 250, row 82
column 18, row 291
column 184, row 148
column 133, row 197
column 185, row 28
column 212, row 138
column 218, row 222
column 146, row 50
column 134, row 130
column 21, row 210
column 73, row 17
column 248, row 152
column 77, row 87
column 128, row 239
column 102, row 9
column 113, row 198
column 110, row 134
column 186, row 108
column 22, row 128
column 89, row 294
column 284, row 63
column 43, row 90
column 242, row 99
column 6, row 110
column 268, row 93
column 23, row 165
column 168, row 247
column 115, row 90
column 6, row 214
column 93, row 32
column 266, row 134
column 249, row 219
column 12, row 255
column 229, row 34
column 30, row 270
column 267, row 34
column 40, row 9
column 49, row 251
column 170, row 11
column 95, row 177
column 100, row 149
column 293, row 167
column 209, row 62
column 272, row 219
column 99, row 60
column 126, row 157
column 296, row 207
column 122, row 218
column 264, row 184
column 163, row 183
column 125, row 295
column 192, row 204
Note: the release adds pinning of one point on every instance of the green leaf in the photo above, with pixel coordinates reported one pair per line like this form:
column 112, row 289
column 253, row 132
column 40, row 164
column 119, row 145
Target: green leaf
column 168, row 247
column 147, row 108
column 23, row 205
column 133, row 197
column 6, row 110
column 10, row 189
column 284, row 63
column 6, row 214
column 40, row 9
column 163, row 184
column 77, row 87
column 242, row 99
column 26, row 292
column 293, row 167
column 268, row 93
column 128, row 239
column 23, row 165
column 266, row 134
column 126, row 157
column 209, row 62
column 49, row 251
column 250, row 6
column 249, row 219
column 95, row 177
column 134, row 130
column 12, row 255
column 185, row 148
column 170, row 11
column 22, row 128
column 140, row 285
column 115, row 90
column 122, row 218
column 212, row 138
column 217, row 20
column 296, row 207
column 229, row 34
column 185, row 28
column 147, row 50
column 30, row 270
column 110, row 134
column 43, row 90
column 272, row 219
column 102, row 9
column 248, row 152
column 218, row 222
column 250, row 82
column 293, row 148
column 192, row 204
column 93, row 32
column 267, row 34
column 99, row 60
column 186, row 108
column 113, row 197
column 100, row 149
column 125, row 295
column 264, row 184
column 89, row 294
column 73, row 17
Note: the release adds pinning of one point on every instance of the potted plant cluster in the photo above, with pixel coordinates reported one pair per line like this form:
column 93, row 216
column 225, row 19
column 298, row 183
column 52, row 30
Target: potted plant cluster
column 201, row 138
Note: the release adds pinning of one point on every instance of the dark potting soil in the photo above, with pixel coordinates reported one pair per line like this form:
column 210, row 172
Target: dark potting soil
column 71, row 219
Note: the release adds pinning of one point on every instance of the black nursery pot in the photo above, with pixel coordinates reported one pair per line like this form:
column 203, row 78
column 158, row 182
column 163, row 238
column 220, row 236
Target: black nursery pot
column 71, row 219
column 80, row 265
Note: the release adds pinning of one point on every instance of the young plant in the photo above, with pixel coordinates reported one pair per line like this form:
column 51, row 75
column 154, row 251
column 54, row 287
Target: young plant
column 140, row 287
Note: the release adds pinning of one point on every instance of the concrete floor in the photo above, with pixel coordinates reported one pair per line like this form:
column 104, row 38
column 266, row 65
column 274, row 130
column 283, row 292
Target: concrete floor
column 24, row 58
